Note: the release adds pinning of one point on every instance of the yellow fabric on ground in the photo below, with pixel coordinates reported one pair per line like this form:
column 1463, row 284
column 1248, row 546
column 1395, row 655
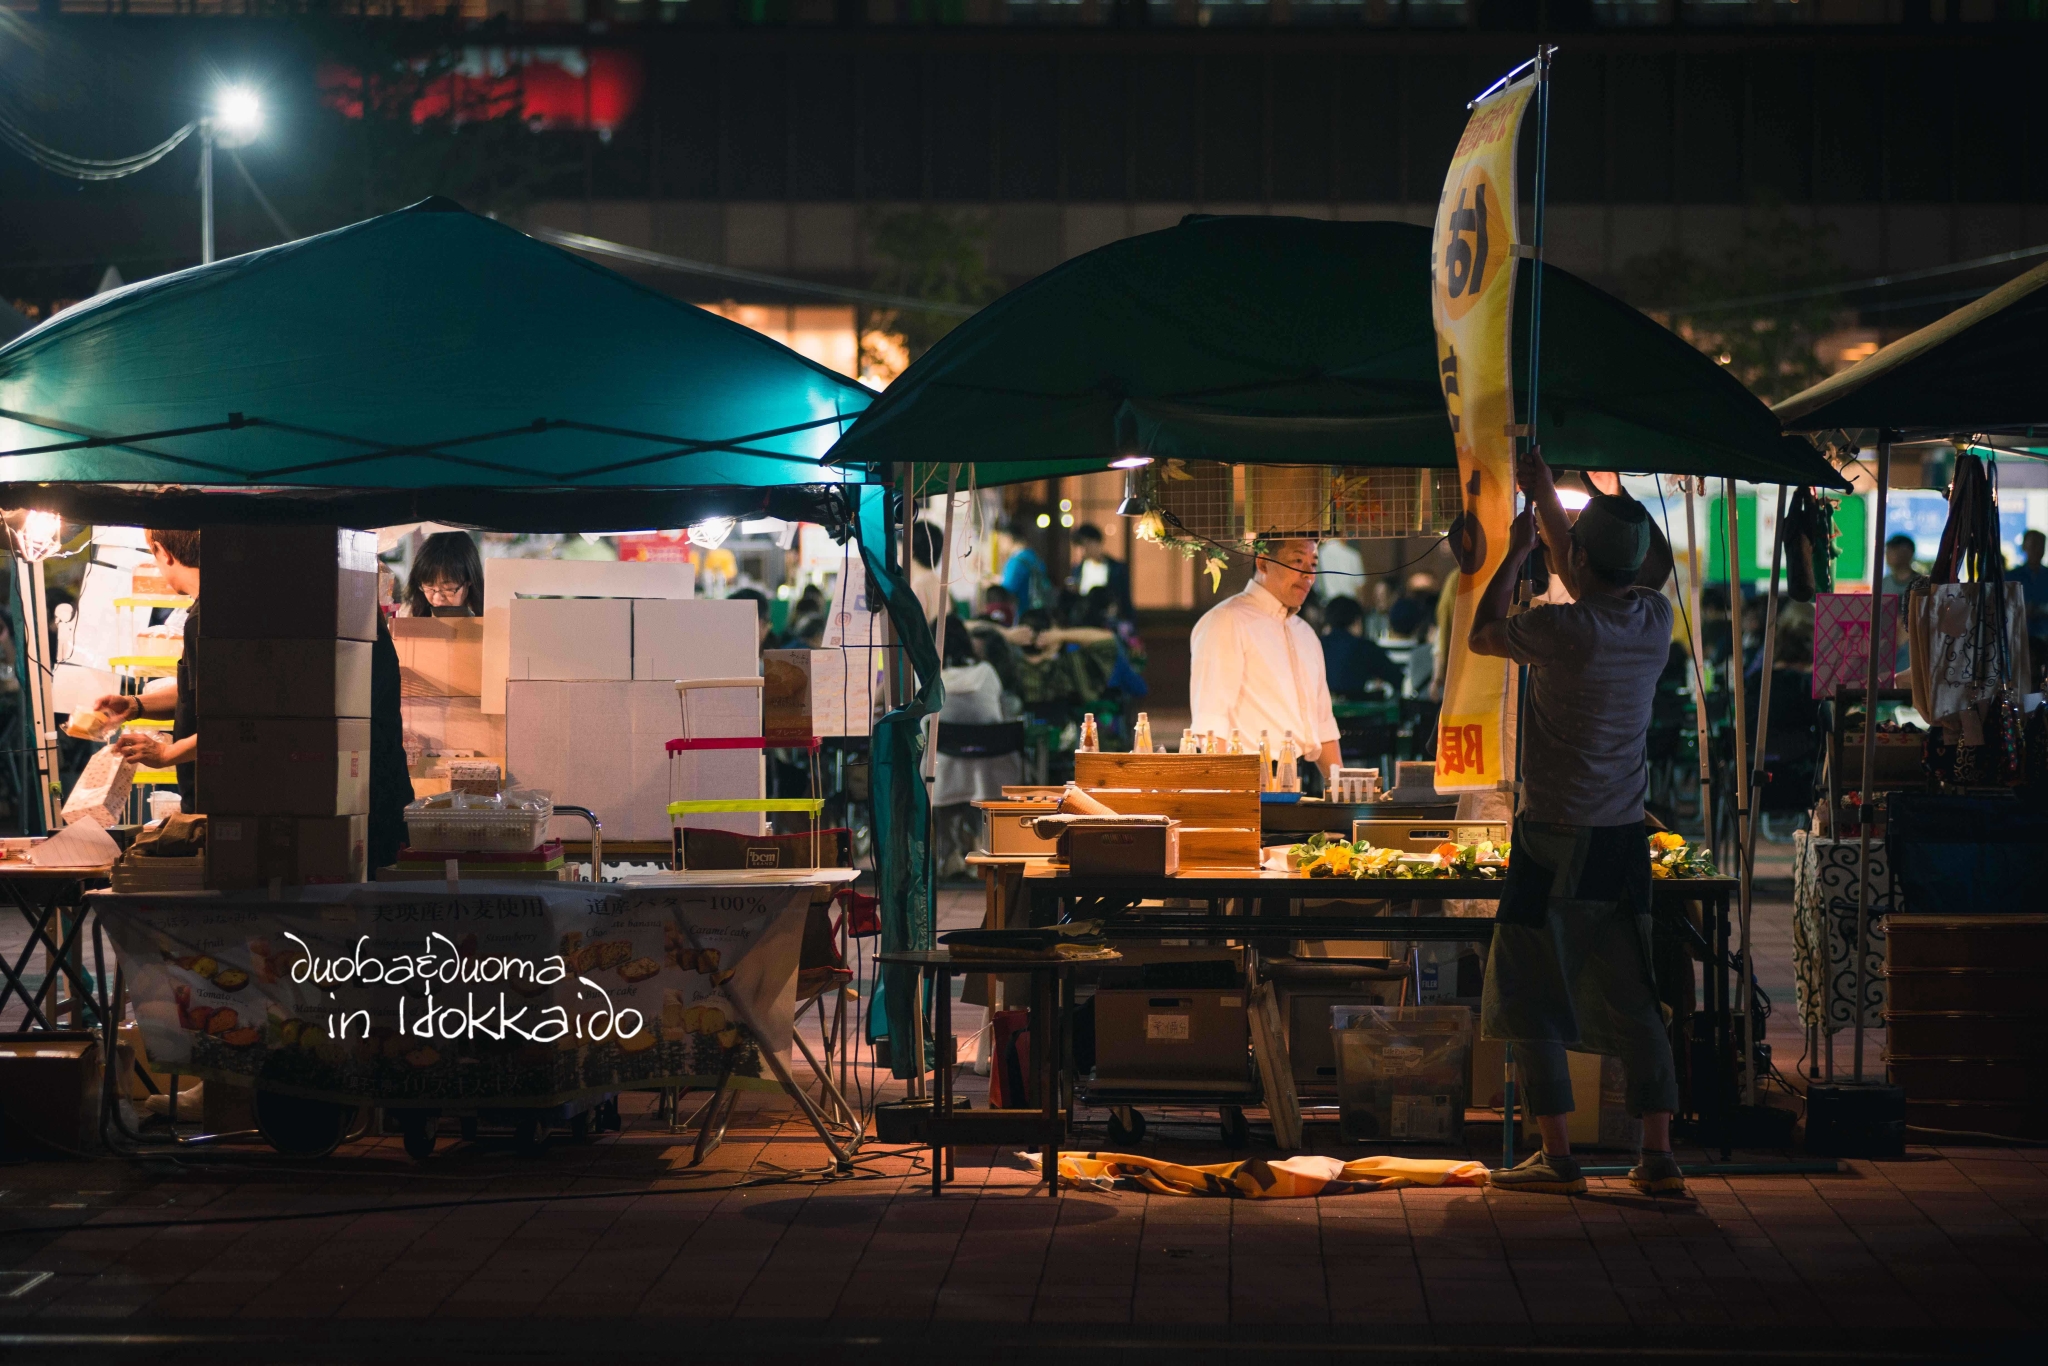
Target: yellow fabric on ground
column 1258, row 1178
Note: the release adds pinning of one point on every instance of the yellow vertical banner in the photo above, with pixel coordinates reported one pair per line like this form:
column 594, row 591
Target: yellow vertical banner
column 1472, row 298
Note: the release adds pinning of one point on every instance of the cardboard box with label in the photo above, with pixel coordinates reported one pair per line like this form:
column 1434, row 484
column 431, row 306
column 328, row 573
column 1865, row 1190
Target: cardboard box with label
column 285, row 582
column 250, row 851
column 286, row 766
column 786, row 697
column 571, row 639
column 282, row 677
column 440, row 656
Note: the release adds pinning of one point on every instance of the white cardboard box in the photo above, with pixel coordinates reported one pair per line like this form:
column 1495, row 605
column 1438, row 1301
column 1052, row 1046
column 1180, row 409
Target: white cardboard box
column 604, row 745
column 505, row 580
column 672, row 638
column 571, row 639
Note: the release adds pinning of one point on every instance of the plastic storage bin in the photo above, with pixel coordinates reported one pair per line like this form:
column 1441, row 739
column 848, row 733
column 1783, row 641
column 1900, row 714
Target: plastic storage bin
column 1402, row 1072
column 455, row 822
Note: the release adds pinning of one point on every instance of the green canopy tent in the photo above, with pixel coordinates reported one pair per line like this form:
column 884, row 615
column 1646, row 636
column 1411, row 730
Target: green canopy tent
column 428, row 364
column 1292, row 341
column 1983, row 368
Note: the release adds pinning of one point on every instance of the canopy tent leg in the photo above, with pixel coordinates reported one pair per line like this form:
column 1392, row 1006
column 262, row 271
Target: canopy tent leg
column 1697, row 644
column 1744, row 878
column 1756, row 779
column 1864, row 810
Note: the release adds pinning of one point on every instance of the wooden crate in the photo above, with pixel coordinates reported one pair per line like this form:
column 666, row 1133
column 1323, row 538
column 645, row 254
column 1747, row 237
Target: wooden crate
column 1965, row 1029
column 1215, row 797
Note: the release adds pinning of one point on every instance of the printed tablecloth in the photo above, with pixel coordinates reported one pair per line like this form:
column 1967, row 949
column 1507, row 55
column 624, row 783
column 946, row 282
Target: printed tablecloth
column 1825, row 893
column 501, row 994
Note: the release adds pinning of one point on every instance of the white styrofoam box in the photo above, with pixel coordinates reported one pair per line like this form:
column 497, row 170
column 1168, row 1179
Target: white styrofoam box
column 695, row 638
column 604, row 745
column 571, row 639
column 505, row 580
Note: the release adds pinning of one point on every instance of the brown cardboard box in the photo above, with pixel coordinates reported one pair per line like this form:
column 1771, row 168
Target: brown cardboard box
column 281, row 677
column 440, row 656
column 786, row 697
column 289, row 582
column 285, row 766
column 451, row 726
column 248, row 851
column 49, row 1091
column 1123, row 847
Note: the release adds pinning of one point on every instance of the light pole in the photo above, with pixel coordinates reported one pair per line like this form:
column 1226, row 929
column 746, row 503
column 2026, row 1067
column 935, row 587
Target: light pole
column 236, row 119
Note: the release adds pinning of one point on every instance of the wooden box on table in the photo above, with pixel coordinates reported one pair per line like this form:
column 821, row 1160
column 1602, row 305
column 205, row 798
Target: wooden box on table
column 1215, row 797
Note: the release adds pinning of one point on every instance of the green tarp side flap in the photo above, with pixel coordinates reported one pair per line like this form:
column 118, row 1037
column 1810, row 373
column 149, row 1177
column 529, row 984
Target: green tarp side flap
column 1292, row 341
column 900, row 806
column 1982, row 368
column 428, row 351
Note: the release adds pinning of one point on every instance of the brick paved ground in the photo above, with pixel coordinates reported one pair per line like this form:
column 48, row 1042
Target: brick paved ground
column 615, row 1247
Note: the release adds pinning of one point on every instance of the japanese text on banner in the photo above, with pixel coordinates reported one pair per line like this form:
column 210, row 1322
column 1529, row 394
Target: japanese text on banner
column 1472, row 298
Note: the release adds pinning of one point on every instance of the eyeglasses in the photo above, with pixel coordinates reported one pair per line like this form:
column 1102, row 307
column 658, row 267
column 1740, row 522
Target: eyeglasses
column 446, row 593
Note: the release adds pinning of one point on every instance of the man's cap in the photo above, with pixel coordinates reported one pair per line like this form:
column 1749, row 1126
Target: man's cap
column 1614, row 532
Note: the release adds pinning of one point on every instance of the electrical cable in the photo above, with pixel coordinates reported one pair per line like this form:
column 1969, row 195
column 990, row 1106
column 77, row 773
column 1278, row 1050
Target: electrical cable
column 90, row 168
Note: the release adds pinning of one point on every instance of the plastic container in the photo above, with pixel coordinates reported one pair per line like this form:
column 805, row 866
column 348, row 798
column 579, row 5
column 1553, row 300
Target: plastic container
column 456, row 822
column 163, row 804
column 1402, row 1072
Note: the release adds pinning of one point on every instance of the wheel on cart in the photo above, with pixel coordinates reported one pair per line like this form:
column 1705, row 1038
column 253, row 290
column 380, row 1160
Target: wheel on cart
column 298, row 1127
column 1237, row 1133
column 418, row 1128
column 1126, row 1125
column 468, row 1123
column 530, row 1137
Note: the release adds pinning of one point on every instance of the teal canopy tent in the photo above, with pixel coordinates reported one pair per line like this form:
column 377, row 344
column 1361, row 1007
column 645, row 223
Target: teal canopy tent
column 426, row 364
column 1293, row 341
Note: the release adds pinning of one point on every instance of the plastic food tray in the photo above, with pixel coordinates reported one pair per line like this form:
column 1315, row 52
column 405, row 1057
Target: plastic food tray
column 509, row 830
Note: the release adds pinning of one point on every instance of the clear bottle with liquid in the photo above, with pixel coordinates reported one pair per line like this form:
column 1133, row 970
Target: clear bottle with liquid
column 1266, row 783
column 1141, row 735
column 1188, row 744
column 1290, row 764
column 1091, row 738
column 1237, row 742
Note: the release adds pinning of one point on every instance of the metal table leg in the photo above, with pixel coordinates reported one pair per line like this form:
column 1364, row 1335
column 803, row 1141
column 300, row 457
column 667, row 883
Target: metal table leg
column 942, row 1070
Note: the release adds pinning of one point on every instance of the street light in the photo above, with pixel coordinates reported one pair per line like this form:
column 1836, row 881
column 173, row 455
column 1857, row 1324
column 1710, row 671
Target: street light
column 236, row 119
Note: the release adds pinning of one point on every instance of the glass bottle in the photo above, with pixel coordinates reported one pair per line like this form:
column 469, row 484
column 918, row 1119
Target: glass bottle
column 1091, row 738
column 1237, row 742
column 1141, row 735
column 1188, row 744
column 1290, row 764
column 1266, row 783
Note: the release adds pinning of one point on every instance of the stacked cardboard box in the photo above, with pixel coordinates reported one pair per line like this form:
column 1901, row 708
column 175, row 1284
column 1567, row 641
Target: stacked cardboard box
column 440, row 670
column 287, row 622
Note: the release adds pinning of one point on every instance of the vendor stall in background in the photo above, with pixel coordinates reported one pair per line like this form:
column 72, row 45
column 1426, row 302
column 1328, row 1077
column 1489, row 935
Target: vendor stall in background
column 1921, row 907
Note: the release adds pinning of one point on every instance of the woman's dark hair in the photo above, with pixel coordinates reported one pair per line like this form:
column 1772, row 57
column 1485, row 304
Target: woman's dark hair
column 446, row 557
column 959, row 644
column 1342, row 613
column 753, row 595
column 926, row 544
column 182, row 546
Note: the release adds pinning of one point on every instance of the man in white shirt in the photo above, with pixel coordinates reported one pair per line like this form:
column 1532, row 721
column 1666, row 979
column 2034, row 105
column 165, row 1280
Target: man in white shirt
column 1257, row 666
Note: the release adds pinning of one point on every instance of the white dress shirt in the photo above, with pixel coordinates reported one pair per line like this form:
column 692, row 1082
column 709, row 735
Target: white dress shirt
column 1257, row 666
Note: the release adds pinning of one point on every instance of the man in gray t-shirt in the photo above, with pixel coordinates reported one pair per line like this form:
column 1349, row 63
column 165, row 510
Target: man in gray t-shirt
column 1570, row 960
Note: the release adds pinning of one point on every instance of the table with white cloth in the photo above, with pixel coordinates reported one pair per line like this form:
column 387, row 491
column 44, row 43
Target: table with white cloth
column 1826, row 891
column 480, row 994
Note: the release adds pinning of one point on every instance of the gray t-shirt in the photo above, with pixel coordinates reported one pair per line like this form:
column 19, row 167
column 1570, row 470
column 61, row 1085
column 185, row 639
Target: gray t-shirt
column 1593, row 673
